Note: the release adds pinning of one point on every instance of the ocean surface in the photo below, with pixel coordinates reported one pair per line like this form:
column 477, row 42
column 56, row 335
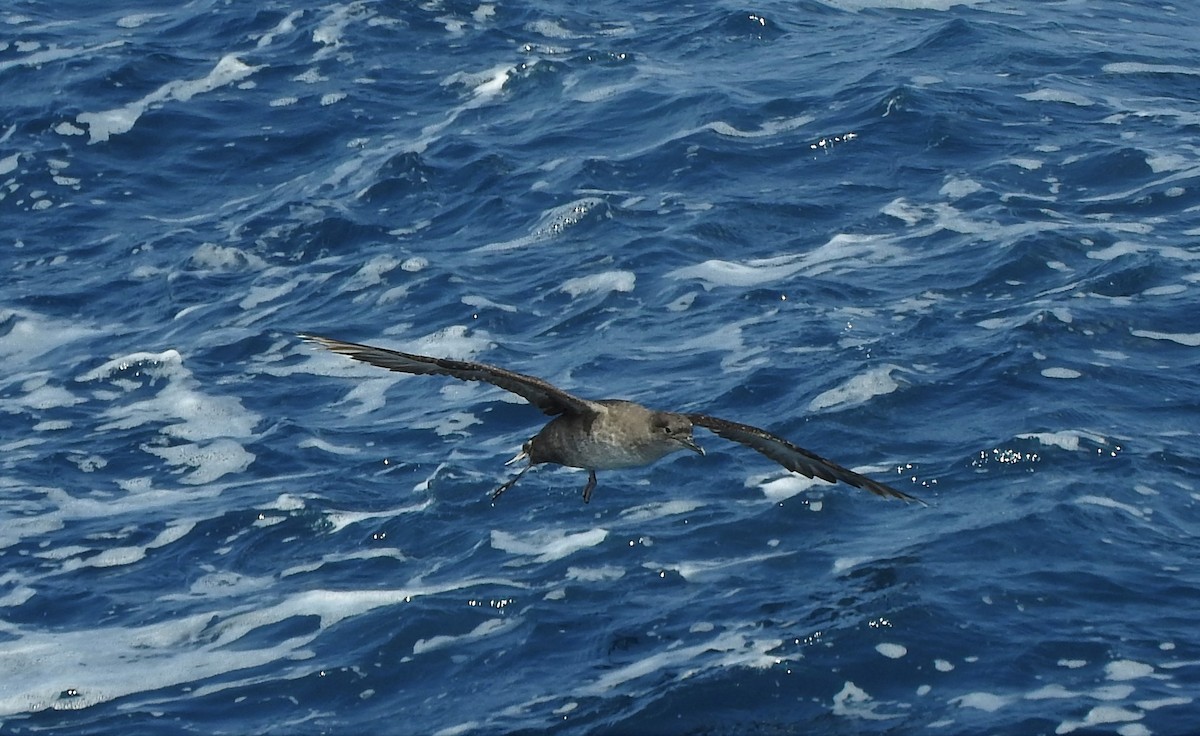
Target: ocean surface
column 951, row 245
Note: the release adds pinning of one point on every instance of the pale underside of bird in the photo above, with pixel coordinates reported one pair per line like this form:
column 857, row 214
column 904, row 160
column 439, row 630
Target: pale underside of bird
column 606, row 434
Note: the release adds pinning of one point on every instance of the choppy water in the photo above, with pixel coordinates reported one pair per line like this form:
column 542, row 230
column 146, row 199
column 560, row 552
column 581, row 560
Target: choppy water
column 953, row 245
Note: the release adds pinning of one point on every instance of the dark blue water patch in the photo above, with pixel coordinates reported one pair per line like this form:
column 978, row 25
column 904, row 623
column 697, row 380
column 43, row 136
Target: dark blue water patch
column 404, row 174
column 1026, row 242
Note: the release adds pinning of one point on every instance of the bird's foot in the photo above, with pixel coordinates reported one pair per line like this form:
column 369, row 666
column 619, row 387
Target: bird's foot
column 591, row 486
column 524, row 453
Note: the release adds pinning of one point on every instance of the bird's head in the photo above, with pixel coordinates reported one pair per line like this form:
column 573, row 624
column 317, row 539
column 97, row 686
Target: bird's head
column 676, row 429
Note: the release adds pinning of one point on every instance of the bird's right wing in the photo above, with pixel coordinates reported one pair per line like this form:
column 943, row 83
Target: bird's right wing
column 545, row 396
column 794, row 458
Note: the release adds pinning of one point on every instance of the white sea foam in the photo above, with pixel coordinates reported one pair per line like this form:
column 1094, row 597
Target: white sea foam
column 957, row 188
column 604, row 93
column 1103, row 715
column 331, row 32
column 194, row 414
column 844, row 564
column 1065, row 439
column 368, row 392
column 373, row 553
column 552, row 224
column 487, row 628
column 767, row 129
column 988, row 702
column 339, row 520
column 727, row 338
column 259, row 295
column 137, row 19
column 210, row 460
column 1190, row 339
column 445, row 424
column 1052, row 691
column 1029, row 164
column 225, row 258
column 223, row 584
column 1165, row 290
column 10, row 163
column 103, row 125
column 1112, row 504
column 549, row 29
column 891, row 651
column 1136, row 67
column 595, row 574
column 116, row 556
column 329, row 447
column 55, row 54
column 138, row 498
column 608, row 281
column 103, row 663
column 484, row 84
column 660, row 510
column 548, row 545
column 860, row 389
column 842, row 253
column 482, row 302
column 30, row 335
column 854, row 702
column 1116, row 250
column 1164, row 702
column 1125, row 669
column 731, row 648
column 209, row 425
column 710, row 570
column 1056, row 95
column 483, row 12
column 781, row 488
column 1163, row 162
column 40, row 395
column 1059, row 372
column 286, row 25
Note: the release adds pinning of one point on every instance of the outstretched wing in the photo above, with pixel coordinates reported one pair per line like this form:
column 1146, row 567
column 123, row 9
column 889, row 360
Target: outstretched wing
column 794, row 458
column 550, row 399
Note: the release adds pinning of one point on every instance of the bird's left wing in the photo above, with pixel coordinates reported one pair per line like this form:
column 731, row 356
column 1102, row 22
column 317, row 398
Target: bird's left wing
column 545, row 396
column 794, row 458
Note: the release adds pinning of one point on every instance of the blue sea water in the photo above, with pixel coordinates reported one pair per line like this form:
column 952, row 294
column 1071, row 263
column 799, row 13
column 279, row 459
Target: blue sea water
column 953, row 245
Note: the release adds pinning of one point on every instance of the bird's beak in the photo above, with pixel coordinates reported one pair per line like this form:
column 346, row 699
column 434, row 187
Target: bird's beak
column 690, row 444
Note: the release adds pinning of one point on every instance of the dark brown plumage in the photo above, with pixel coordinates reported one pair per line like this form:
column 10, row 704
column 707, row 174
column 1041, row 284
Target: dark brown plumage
column 607, row 433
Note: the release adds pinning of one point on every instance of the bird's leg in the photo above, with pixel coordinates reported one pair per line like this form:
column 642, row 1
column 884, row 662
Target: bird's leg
column 591, row 486
column 510, row 483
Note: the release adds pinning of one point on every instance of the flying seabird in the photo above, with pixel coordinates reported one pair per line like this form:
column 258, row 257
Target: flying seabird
column 606, row 434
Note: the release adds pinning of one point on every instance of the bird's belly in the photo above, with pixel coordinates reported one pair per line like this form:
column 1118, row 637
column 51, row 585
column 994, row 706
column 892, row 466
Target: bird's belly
column 598, row 456
column 604, row 452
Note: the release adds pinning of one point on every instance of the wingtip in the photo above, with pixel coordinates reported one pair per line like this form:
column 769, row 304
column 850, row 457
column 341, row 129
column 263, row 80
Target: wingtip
column 320, row 341
column 888, row 492
column 909, row 498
